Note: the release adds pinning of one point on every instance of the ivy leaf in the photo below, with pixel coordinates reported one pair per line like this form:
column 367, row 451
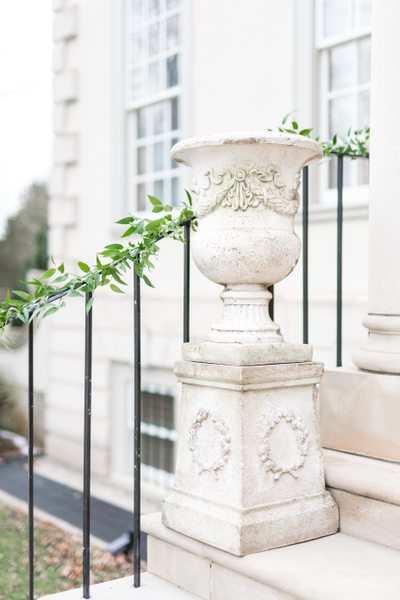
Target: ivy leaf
column 295, row 125
column 153, row 224
column 158, row 209
column 138, row 270
column 167, row 208
column 124, row 221
column 60, row 279
column 115, row 247
column 189, row 198
column 305, row 132
column 5, row 346
column 96, row 278
column 50, row 311
column 7, row 301
column 89, row 305
column 84, row 267
column 128, row 232
column 23, row 295
column 117, row 277
column 288, row 115
column 147, row 262
column 74, row 294
column 61, row 268
column 147, row 280
column 115, row 288
column 155, row 201
column 48, row 274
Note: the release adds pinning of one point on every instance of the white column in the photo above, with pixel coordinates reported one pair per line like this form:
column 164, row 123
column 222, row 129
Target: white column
column 381, row 352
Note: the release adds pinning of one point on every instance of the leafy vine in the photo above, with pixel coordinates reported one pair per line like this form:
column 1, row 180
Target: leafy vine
column 50, row 293
column 354, row 144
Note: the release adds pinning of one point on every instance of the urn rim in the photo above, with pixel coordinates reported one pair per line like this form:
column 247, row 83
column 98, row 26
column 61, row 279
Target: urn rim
column 247, row 138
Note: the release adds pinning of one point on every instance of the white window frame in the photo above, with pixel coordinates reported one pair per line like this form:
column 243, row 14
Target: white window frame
column 132, row 105
column 354, row 195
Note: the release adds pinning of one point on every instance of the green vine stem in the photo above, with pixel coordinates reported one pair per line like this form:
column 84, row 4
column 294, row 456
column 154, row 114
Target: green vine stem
column 49, row 296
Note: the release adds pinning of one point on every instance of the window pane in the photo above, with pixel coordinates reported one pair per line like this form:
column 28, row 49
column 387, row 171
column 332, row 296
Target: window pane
column 364, row 60
column 174, row 191
column 154, row 39
column 336, row 15
column 173, row 32
column 158, row 453
column 362, row 10
column 137, row 47
column 141, row 160
column 141, row 196
column 159, row 189
column 341, row 66
column 138, row 83
column 159, row 156
column 154, row 8
column 174, row 164
column 154, row 78
column 141, row 123
column 172, row 71
column 137, row 6
column 157, row 409
column 174, row 114
column 340, row 115
column 158, row 115
column 363, row 108
column 172, row 4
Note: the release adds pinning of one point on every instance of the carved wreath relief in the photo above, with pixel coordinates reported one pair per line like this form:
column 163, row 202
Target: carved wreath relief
column 221, row 430
column 302, row 441
column 244, row 189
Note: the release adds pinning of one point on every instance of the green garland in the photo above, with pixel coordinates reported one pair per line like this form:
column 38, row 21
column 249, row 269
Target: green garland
column 138, row 253
column 48, row 293
column 353, row 145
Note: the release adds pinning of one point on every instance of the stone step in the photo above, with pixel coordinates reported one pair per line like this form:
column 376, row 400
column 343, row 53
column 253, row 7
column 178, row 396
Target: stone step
column 367, row 492
column 336, row 567
column 152, row 588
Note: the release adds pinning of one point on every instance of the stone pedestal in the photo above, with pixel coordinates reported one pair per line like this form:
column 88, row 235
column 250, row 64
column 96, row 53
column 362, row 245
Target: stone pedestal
column 249, row 473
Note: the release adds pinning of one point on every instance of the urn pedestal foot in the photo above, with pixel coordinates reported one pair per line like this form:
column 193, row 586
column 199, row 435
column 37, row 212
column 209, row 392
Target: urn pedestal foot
column 249, row 473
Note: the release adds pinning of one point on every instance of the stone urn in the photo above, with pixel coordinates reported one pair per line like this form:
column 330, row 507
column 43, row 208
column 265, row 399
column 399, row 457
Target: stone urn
column 246, row 198
column 249, row 470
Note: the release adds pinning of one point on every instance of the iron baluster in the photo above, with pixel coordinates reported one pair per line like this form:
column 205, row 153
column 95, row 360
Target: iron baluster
column 87, row 447
column 186, row 283
column 339, row 261
column 305, row 255
column 30, row 463
column 271, row 302
column 137, row 438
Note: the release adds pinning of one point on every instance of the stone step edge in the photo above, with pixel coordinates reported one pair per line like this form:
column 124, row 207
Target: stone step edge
column 152, row 588
column 335, row 567
column 370, row 477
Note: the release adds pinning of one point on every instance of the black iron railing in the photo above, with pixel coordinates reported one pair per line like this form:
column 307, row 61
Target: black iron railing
column 137, row 378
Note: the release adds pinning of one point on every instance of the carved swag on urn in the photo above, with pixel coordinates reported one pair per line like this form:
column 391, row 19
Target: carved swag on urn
column 249, row 473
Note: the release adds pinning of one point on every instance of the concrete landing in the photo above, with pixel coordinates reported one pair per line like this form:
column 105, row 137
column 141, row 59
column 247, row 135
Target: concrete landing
column 152, row 588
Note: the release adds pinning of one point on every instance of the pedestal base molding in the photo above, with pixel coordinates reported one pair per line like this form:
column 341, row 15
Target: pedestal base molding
column 241, row 531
